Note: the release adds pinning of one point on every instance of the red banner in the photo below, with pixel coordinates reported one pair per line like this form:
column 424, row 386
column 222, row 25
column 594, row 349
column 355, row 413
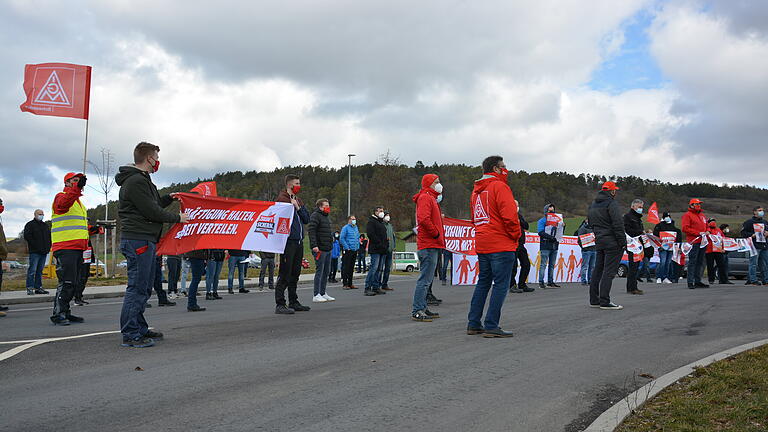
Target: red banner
column 226, row 223
column 205, row 189
column 459, row 236
column 653, row 214
column 57, row 89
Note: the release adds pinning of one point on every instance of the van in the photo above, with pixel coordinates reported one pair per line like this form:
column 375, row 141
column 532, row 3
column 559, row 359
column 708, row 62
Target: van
column 406, row 261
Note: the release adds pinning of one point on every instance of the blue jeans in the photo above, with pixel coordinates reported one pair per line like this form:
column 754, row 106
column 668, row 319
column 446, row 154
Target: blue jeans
column 427, row 265
column 140, row 255
column 495, row 275
column 196, row 267
column 235, row 264
column 664, row 265
column 35, row 271
column 548, row 260
column 385, row 268
column 372, row 281
column 587, row 265
column 695, row 264
column 761, row 260
column 322, row 268
column 212, row 273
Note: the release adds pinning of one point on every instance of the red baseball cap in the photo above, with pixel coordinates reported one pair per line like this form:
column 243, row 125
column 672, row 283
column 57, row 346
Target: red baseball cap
column 609, row 186
column 69, row 176
column 694, row 201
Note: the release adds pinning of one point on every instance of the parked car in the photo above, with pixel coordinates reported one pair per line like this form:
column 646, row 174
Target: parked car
column 406, row 261
column 738, row 265
column 253, row 261
column 15, row 265
column 122, row 264
column 624, row 268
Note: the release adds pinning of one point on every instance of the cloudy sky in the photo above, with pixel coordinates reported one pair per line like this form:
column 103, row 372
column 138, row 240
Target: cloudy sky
column 674, row 90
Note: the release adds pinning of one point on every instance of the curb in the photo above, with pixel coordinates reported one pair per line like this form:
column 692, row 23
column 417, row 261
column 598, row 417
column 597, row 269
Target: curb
column 615, row 415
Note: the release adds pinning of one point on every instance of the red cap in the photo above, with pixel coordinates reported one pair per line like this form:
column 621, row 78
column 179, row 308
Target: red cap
column 69, row 176
column 609, row 186
column 694, row 201
column 427, row 180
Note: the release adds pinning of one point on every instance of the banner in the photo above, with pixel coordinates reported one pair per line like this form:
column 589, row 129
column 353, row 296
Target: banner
column 57, row 89
column 459, row 236
column 556, row 225
column 730, row 244
column 226, row 223
column 205, row 189
column 668, row 238
column 465, row 269
column 759, row 232
column 677, row 254
column 746, row 245
column 587, row 240
column 634, row 244
column 653, row 214
column 717, row 243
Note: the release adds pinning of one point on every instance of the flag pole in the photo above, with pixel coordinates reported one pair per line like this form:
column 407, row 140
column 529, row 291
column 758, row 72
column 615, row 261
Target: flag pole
column 85, row 151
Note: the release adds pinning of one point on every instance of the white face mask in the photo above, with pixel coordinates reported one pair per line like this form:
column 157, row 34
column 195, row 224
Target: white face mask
column 668, row 219
column 353, row 221
column 726, row 230
column 439, row 188
column 386, row 218
column 380, row 215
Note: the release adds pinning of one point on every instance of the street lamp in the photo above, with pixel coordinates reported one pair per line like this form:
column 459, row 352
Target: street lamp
column 349, row 185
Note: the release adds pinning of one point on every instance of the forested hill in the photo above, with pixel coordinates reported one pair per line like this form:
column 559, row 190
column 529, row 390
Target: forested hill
column 392, row 185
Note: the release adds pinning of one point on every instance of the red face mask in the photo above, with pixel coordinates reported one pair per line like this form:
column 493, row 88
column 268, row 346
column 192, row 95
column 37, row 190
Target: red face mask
column 296, row 189
column 713, row 225
column 156, row 166
column 2, row 208
column 327, row 210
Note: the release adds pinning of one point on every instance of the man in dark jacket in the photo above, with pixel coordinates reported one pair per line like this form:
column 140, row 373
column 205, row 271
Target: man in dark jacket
column 38, row 236
column 141, row 213
column 633, row 226
column 587, row 251
column 522, row 258
column 610, row 241
column 321, row 242
column 290, row 259
column 669, row 235
column 759, row 240
column 377, row 249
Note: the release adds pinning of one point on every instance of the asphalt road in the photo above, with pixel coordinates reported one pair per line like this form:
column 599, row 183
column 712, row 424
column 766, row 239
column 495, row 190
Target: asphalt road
column 361, row 364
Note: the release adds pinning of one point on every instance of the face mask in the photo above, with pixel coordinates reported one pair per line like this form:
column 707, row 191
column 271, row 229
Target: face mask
column 639, row 210
column 380, row 215
column 156, row 166
column 727, row 230
column 39, row 217
column 760, row 213
column 713, row 225
column 439, row 198
column 353, row 221
column 386, row 218
column 2, row 208
column 668, row 219
column 504, row 174
column 336, row 235
column 296, row 189
column 439, row 188
column 327, row 210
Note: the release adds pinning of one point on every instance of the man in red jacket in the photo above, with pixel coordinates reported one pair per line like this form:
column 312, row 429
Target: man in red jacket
column 694, row 225
column 430, row 240
column 497, row 231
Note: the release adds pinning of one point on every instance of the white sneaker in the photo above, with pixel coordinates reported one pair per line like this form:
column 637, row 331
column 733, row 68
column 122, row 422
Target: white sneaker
column 612, row 306
column 328, row 298
column 658, row 280
column 666, row 280
column 318, row 299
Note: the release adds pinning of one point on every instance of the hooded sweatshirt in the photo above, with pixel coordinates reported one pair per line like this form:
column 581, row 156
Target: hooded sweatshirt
column 140, row 208
column 547, row 239
column 429, row 222
column 494, row 214
column 748, row 228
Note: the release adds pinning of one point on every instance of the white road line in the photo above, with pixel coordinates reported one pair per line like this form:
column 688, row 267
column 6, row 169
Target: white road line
column 29, row 344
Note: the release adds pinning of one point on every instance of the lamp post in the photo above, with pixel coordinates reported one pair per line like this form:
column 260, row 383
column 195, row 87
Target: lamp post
column 349, row 185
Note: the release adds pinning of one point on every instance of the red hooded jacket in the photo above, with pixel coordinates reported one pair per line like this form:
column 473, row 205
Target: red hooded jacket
column 494, row 213
column 429, row 222
column 693, row 224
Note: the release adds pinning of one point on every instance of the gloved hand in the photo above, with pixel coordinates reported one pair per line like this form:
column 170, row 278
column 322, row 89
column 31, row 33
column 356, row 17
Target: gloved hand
column 81, row 181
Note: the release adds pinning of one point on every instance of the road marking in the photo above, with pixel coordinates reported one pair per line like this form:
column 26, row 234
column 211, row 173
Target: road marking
column 33, row 343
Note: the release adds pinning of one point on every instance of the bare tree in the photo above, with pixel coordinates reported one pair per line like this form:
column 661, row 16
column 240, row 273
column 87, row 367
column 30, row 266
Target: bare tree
column 105, row 173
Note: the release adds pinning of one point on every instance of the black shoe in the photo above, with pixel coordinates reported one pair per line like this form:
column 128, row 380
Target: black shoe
column 283, row 310
column 80, row 302
column 727, row 283
column 230, row 291
column 74, row 319
column 60, row 319
column 691, row 286
column 271, row 287
column 475, row 330
column 443, row 283
column 153, row 334
column 41, row 291
column 244, row 291
column 421, row 317
column 216, row 296
column 541, row 285
column 553, row 285
column 515, row 290
column 434, row 302
column 298, row 307
column 142, row 342
column 195, row 308
column 3, row 308
column 528, row 289
column 166, row 303
column 701, row 285
column 497, row 333
column 369, row 293
column 513, row 285
column 379, row 291
column 649, row 280
column 431, row 314
column 711, row 282
column 30, row 292
column 209, row 296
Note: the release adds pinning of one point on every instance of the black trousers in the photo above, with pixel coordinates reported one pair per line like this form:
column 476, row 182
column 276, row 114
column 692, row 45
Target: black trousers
column 157, row 284
column 348, row 267
column 334, row 269
column 69, row 264
column 632, row 272
column 525, row 267
column 288, row 276
column 267, row 269
column 361, row 266
column 717, row 258
column 85, row 273
column 606, row 266
column 174, row 273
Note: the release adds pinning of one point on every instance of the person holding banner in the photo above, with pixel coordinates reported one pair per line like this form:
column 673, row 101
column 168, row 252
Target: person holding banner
column 694, row 225
column 350, row 243
column 321, row 243
column 755, row 228
column 141, row 213
column 549, row 227
column 497, row 232
column 290, row 259
column 716, row 254
column 610, row 241
column 430, row 240
column 669, row 235
column 633, row 226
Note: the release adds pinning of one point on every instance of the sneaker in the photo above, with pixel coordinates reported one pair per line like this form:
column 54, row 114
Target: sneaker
column 497, row 333
column 30, row 291
column 592, row 305
column 329, row 298
column 74, row 319
column 369, row 292
column 216, row 296
column 141, row 342
column 195, row 308
column 318, row 299
column 658, row 280
column 41, row 291
column 378, row 291
column 244, row 291
column 81, row 302
column 60, row 319
column 421, row 317
column 166, row 303
column 229, row 291
column 431, row 314
column 209, row 296
column 153, row 334
column 475, row 330
column 283, row 310
column 612, row 306
column 667, row 281
column 298, row 307
column 528, row 289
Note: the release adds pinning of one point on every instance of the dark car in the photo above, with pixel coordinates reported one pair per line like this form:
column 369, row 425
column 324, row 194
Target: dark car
column 738, row 265
column 624, row 268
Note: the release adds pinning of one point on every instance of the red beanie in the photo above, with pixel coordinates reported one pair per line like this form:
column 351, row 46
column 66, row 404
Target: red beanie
column 427, row 180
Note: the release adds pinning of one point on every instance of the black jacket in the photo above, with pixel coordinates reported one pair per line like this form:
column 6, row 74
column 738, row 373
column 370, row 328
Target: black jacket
column 377, row 236
column 202, row 254
column 523, row 227
column 140, row 208
column 239, row 253
column 585, row 229
column 633, row 223
column 217, row 254
column 319, row 230
column 605, row 219
column 748, row 228
column 38, row 237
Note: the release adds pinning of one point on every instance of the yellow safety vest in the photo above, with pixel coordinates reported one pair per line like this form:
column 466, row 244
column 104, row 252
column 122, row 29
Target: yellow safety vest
column 72, row 225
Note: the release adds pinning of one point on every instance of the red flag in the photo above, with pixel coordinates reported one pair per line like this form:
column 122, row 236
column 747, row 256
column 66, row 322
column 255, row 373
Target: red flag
column 205, row 188
column 653, row 214
column 57, row 89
